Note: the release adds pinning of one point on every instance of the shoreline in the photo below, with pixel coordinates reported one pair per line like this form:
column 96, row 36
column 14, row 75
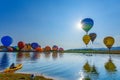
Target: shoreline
column 23, row 76
column 94, row 52
column 77, row 51
column 38, row 74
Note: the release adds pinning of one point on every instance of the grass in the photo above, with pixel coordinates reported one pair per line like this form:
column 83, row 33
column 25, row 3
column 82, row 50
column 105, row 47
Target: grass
column 93, row 51
column 20, row 76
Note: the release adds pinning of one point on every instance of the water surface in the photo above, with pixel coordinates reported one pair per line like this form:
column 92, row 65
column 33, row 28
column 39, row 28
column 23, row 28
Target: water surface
column 63, row 66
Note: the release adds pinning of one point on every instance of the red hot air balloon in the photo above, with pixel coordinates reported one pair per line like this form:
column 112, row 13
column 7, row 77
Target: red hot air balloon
column 21, row 44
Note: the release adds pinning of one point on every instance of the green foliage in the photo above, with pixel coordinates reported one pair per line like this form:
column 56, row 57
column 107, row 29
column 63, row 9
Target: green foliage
column 18, row 76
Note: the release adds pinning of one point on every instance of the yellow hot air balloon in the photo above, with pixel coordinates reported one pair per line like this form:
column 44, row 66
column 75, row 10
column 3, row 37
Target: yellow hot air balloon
column 109, row 41
column 86, row 39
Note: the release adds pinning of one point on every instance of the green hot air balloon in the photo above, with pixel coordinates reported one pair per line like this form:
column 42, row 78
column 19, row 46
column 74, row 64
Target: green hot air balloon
column 87, row 24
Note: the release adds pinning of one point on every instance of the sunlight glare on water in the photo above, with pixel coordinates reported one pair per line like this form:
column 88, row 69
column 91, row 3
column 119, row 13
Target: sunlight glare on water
column 63, row 66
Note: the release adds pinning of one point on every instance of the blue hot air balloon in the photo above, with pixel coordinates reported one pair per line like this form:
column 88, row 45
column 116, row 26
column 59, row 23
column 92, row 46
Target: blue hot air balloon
column 87, row 24
column 6, row 41
column 35, row 45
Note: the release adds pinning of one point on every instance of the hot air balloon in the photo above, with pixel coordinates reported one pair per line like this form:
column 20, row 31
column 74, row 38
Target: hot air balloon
column 61, row 49
column 15, row 48
column 92, row 36
column 35, row 45
column 87, row 24
column 86, row 39
column 27, row 47
column 55, row 48
column 6, row 41
column 21, row 44
column 109, row 41
column 10, row 49
column 47, row 48
column 39, row 49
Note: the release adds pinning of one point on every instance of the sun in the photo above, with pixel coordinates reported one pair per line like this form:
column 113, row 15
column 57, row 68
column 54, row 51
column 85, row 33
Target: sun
column 79, row 25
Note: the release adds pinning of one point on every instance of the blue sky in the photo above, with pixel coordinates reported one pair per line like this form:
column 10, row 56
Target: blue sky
column 54, row 22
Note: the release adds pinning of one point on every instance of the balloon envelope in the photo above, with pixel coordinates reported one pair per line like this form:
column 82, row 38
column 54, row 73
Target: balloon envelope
column 109, row 41
column 38, row 49
column 86, row 39
column 10, row 49
column 21, row 44
column 87, row 24
column 92, row 36
column 55, row 48
column 47, row 48
column 6, row 40
column 34, row 45
column 61, row 49
column 27, row 47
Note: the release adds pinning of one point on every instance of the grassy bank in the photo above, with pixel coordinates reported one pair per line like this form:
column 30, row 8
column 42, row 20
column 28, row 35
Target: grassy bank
column 20, row 76
column 93, row 51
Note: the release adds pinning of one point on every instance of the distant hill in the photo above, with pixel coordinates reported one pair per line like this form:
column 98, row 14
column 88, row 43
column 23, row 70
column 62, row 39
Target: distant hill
column 113, row 48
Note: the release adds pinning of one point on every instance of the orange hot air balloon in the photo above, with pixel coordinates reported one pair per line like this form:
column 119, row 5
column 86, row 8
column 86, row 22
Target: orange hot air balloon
column 47, row 48
column 109, row 41
column 39, row 49
column 86, row 39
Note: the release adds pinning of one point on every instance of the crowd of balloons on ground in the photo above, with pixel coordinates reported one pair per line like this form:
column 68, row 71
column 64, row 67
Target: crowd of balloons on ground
column 22, row 46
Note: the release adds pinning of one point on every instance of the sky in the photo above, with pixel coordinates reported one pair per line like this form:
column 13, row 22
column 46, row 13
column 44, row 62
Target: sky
column 55, row 22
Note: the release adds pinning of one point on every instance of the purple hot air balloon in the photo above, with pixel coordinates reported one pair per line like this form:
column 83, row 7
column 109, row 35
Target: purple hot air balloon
column 92, row 36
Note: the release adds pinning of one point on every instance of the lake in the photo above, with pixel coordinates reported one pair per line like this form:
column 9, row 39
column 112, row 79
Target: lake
column 62, row 66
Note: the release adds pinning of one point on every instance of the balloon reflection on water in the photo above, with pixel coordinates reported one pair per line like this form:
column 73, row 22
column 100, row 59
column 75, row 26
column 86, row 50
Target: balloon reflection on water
column 83, row 76
column 21, row 56
column 55, row 55
column 4, row 62
column 27, row 55
column 47, row 54
column 35, row 56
